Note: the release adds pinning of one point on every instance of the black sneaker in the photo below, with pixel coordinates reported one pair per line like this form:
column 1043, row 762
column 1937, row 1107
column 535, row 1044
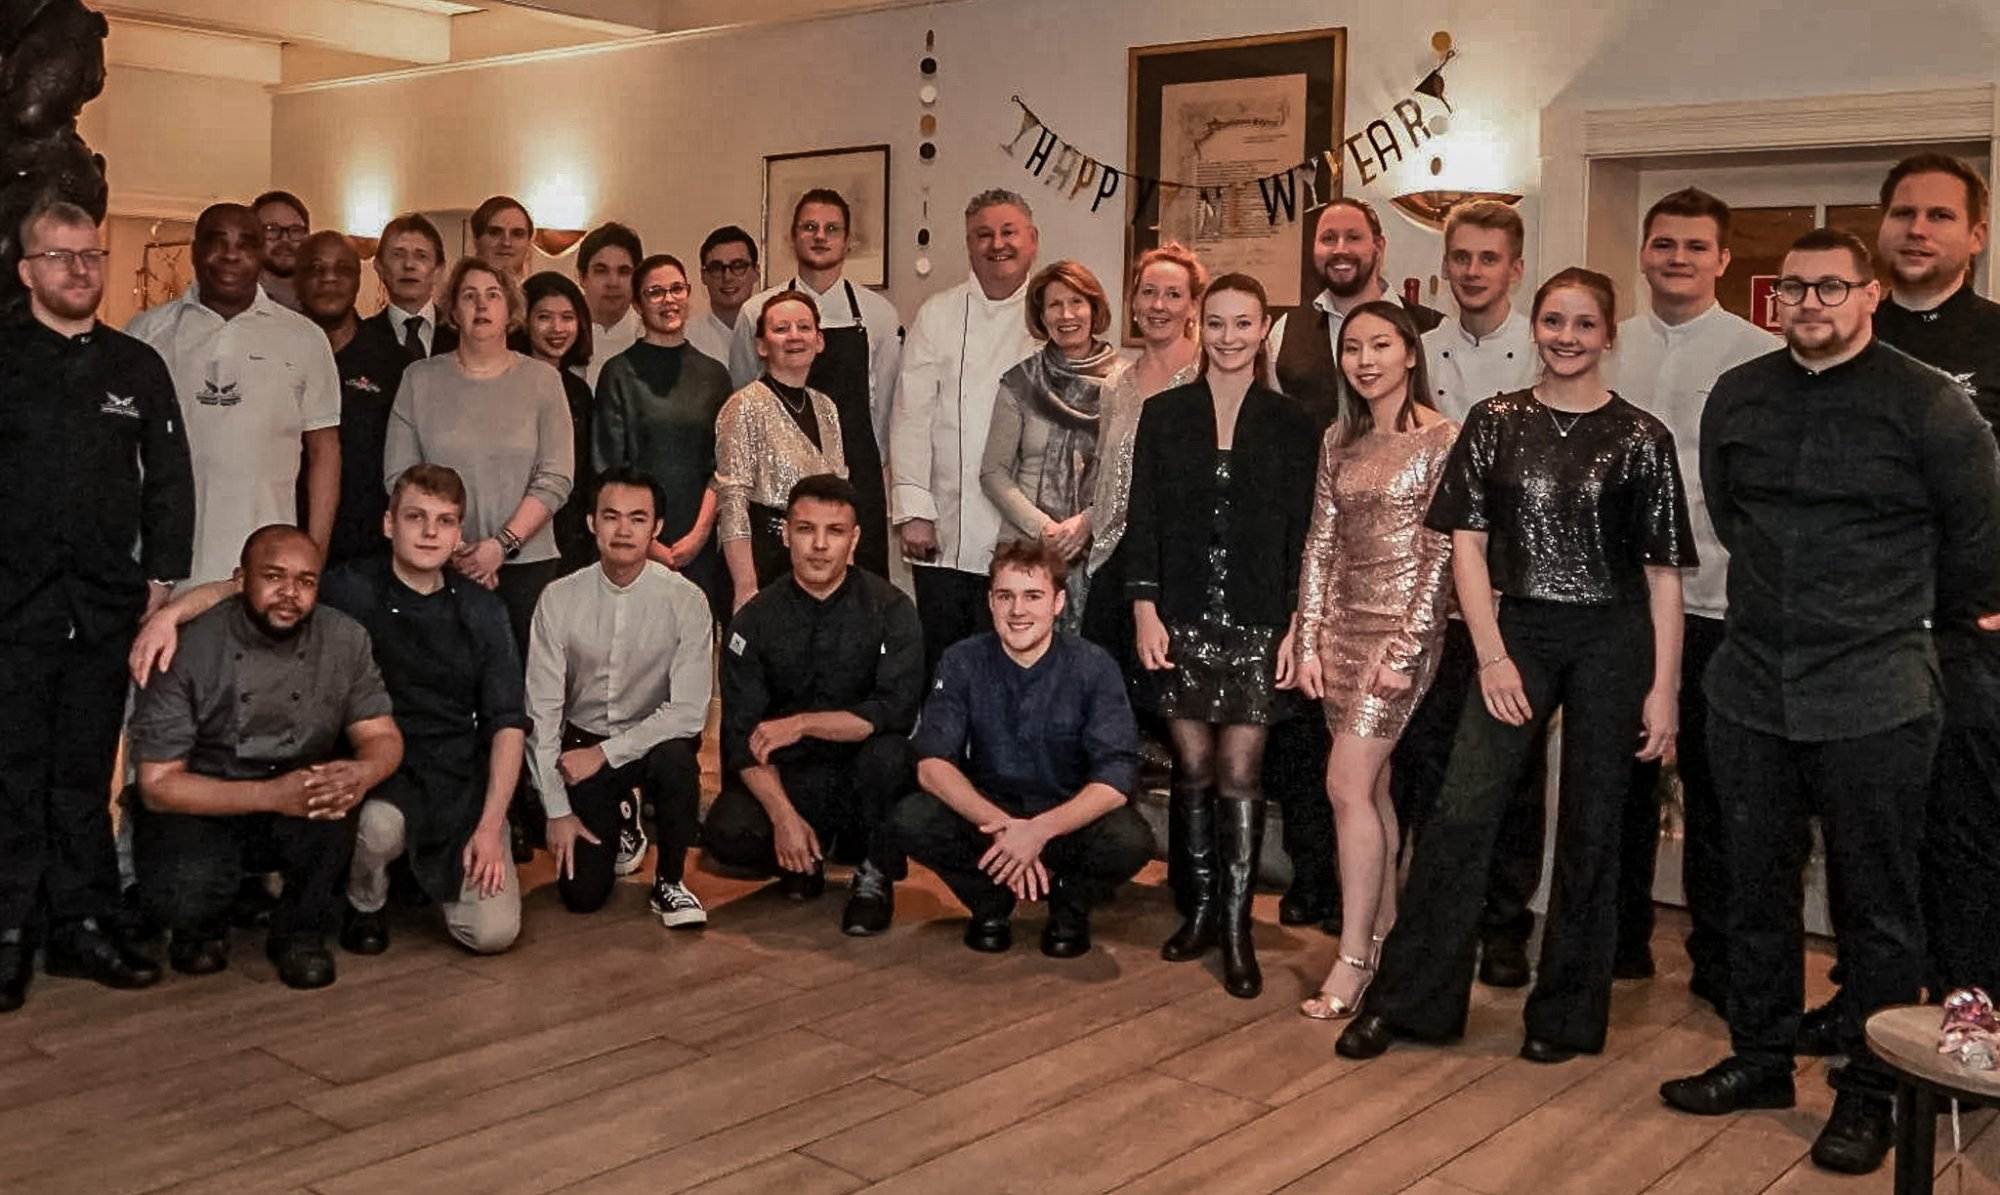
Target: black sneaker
column 1730, row 1086
column 1857, row 1134
column 676, row 906
column 871, row 903
column 632, row 840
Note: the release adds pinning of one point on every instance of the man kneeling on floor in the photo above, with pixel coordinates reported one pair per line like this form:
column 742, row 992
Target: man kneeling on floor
column 237, row 744
column 447, row 657
column 821, row 675
column 1027, row 754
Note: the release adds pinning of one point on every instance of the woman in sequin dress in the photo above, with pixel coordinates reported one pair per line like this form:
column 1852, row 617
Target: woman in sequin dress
column 1221, row 494
column 767, row 436
column 1373, row 588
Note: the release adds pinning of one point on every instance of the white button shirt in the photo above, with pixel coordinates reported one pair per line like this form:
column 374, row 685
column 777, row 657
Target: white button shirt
column 427, row 324
column 1669, row 372
column 631, row 664
column 250, row 388
column 608, row 342
column 877, row 316
column 711, row 337
column 958, row 346
column 1467, row 369
column 1323, row 301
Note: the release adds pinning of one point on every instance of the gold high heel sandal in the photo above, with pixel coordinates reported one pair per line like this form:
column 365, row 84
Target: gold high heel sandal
column 1324, row 1006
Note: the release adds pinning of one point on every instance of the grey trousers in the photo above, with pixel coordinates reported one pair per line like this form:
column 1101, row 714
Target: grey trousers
column 482, row 924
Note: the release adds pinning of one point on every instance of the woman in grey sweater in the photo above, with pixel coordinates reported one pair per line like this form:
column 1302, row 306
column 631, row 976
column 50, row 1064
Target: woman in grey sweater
column 502, row 421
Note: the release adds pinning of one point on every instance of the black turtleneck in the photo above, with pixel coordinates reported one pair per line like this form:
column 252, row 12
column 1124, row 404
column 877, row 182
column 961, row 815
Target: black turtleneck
column 797, row 401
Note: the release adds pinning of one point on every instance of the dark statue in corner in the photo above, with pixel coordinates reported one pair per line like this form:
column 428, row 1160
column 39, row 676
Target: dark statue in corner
column 51, row 64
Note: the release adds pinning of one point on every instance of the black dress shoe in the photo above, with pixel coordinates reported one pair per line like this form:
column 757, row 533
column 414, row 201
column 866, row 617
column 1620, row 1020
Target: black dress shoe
column 802, row 885
column 990, row 935
column 1546, row 1052
column 1857, row 1134
column 86, row 951
column 1633, row 964
column 195, row 955
column 17, row 967
column 1503, row 965
column 871, row 903
column 1819, row 1031
column 1067, row 935
column 364, row 933
column 1366, row 1036
column 303, row 963
column 1730, row 1086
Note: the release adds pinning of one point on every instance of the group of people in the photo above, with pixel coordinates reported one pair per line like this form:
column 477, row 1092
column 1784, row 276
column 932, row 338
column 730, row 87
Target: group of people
column 1353, row 558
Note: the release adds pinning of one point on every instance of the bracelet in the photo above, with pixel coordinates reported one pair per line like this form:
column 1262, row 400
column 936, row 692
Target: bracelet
column 509, row 542
column 1502, row 658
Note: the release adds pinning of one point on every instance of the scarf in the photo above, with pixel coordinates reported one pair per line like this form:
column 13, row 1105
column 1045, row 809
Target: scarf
column 1068, row 396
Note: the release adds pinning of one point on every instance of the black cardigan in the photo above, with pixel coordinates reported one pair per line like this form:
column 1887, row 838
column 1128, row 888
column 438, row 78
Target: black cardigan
column 1274, row 455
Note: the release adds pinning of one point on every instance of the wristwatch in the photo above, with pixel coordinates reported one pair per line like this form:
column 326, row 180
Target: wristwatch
column 510, row 544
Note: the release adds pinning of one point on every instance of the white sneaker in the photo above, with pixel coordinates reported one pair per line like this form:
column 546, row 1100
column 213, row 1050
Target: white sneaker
column 632, row 840
column 676, row 907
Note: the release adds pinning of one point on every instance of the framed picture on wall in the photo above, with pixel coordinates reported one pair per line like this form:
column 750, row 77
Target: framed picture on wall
column 1213, row 113
column 861, row 175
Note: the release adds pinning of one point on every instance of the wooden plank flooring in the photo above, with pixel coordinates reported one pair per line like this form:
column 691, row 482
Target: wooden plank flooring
column 770, row 1054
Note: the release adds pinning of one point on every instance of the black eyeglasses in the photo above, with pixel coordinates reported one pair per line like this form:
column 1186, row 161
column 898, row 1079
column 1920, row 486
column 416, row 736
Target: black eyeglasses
column 657, row 294
column 69, row 259
column 285, row 232
column 1832, row 292
column 735, row 269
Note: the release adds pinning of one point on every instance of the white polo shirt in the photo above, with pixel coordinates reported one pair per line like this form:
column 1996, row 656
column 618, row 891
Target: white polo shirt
column 1669, row 372
column 249, row 389
column 1467, row 369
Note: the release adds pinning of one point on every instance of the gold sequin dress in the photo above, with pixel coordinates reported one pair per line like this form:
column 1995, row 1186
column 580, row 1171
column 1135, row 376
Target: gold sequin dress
column 1375, row 583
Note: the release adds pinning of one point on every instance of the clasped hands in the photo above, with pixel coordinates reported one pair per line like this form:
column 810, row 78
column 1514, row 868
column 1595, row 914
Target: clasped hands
column 1014, row 861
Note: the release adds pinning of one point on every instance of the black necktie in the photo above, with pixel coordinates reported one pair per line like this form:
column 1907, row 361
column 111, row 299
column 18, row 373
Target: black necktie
column 413, row 344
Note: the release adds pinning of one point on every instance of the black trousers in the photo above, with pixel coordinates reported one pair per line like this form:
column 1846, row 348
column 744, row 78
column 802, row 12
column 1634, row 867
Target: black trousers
column 61, row 706
column 1595, row 663
column 1704, row 861
column 668, row 778
column 1084, row 866
column 191, row 866
column 845, row 793
column 1869, row 795
column 951, row 605
column 1418, row 765
column 1961, row 866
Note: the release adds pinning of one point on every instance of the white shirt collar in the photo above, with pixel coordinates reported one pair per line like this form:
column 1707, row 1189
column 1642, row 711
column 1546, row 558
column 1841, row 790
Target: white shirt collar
column 262, row 304
column 1686, row 327
column 401, row 318
column 1507, row 327
column 627, row 322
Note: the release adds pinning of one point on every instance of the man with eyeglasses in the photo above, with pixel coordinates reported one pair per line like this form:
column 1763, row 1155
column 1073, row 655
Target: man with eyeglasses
column 408, row 256
column 255, row 381
column 656, row 408
column 287, row 224
column 728, row 261
column 605, row 262
column 1858, row 494
column 858, row 367
column 97, row 512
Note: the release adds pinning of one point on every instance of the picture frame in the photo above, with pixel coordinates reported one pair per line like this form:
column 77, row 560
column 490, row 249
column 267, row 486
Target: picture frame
column 1213, row 112
column 861, row 174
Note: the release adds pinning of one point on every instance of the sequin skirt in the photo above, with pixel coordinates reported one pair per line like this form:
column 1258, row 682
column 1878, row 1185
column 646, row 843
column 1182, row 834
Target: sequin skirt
column 1222, row 674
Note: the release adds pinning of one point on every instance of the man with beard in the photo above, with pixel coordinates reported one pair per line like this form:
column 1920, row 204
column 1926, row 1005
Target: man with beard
column 239, row 745
column 408, row 256
column 605, row 264
column 1858, row 493
column 286, row 226
column 255, row 381
column 962, row 340
column 97, row 512
column 371, row 367
column 1027, row 758
column 858, row 367
column 821, row 675
column 728, row 264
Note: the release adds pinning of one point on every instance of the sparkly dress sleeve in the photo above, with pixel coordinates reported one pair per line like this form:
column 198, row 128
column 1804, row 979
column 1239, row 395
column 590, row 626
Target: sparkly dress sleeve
column 735, row 466
column 1319, row 563
column 1430, row 596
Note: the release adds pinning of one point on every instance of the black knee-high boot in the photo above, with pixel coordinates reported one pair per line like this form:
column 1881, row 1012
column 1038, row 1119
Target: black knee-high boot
column 1191, row 837
column 1239, row 832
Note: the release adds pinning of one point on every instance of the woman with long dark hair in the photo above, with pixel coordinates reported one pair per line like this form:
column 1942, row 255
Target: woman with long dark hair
column 1565, row 501
column 557, row 332
column 1373, row 590
column 1221, row 495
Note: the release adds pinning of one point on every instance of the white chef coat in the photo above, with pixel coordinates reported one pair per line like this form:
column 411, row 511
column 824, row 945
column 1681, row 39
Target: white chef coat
column 1466, row 369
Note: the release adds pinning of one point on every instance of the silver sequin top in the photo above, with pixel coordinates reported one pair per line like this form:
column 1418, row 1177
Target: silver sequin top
column 1117, row 432
column 760, row 454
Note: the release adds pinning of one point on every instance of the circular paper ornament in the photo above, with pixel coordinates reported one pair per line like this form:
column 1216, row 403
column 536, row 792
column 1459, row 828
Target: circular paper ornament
column 1440, row 125
column 928, row 125
column 923, row 267
column 1441, row 42
column 927, row 151
column 927, row 93
column 928, row 66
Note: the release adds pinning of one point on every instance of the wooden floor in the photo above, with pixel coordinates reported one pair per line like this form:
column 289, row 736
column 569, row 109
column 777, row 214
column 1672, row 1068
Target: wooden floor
column 770, row 1054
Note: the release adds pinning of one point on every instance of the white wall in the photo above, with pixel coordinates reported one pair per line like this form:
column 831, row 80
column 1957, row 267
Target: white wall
column 175, row 142
column 669, row 135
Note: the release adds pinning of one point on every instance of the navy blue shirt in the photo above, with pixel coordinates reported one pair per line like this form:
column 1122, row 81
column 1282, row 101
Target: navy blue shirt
column 1030, row 738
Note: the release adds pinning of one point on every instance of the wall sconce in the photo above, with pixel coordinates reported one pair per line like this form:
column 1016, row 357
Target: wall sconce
column 364, row 247
column 554, row 242
column 1430, row 208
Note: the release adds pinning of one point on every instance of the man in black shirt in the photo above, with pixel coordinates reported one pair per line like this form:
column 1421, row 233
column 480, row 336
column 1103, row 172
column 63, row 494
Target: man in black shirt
column 1934, row 225
column 1027, row 754
column 1854, row 489
column 96, row 498
column 371, row 368
column 238, row 744
column 821, row 676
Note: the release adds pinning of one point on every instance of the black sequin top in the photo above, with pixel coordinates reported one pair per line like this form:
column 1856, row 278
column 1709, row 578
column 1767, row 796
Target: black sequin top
column 1571, row 517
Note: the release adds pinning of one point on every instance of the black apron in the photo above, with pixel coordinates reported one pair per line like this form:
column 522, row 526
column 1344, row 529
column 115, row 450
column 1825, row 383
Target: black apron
column 769, row 556
column 841, row 373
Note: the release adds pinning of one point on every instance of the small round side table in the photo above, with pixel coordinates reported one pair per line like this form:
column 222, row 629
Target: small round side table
column 1905, row 1039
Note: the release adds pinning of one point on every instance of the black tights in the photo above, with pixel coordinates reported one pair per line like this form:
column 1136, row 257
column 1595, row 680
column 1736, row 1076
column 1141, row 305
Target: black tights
column 1228, row 758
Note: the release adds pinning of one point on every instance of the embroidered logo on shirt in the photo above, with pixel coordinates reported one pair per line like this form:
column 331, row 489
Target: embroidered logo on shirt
column 218, row 394
column 736, row 645
column 114, row 405
column 1966, row 383
column 364, row 385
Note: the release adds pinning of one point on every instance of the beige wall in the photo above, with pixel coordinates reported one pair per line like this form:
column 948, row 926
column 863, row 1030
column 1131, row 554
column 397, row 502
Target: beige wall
column 669, row 136
column 173, row 143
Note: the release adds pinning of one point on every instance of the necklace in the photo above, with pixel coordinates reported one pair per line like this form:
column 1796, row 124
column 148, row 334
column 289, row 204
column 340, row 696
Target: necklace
column 798, row 408
column 1563, row 429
